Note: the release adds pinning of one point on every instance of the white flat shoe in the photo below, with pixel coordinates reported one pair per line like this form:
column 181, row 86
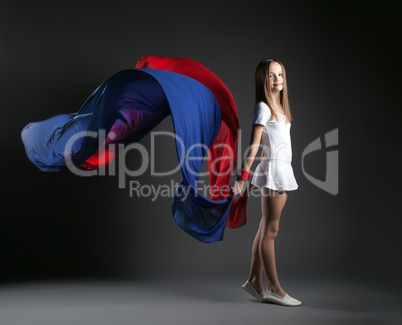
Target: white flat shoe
column 284, row 301
column 248, row 286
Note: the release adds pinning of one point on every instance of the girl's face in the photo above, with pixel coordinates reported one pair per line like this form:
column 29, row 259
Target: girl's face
column 275, row 77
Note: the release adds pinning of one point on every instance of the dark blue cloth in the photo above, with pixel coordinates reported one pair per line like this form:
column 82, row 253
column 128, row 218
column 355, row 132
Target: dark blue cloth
column 133, row 102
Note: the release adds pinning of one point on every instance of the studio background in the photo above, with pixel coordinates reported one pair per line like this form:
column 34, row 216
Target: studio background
column 343, row 69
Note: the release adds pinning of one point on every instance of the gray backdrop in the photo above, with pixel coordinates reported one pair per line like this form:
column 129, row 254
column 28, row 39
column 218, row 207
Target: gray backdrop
column 342, row 62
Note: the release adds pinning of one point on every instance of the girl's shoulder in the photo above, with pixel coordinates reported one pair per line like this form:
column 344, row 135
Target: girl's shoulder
column 263, row 107
column 262, row 104
column 262, row 114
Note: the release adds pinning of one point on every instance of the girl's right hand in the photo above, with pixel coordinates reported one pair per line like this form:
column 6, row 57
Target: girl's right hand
column 238, row 187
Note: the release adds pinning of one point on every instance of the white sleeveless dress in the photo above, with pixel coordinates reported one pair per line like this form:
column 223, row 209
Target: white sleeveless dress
column 275, row 170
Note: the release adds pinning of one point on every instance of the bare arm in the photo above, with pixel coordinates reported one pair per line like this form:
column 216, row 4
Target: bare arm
column 255, row 140
column 254, row 145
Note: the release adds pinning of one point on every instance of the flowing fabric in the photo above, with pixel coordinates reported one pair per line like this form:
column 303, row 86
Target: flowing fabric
column 127, row 106
column 226, row 143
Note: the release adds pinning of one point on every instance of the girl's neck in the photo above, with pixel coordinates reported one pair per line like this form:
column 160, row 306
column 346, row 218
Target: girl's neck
column 276, row 100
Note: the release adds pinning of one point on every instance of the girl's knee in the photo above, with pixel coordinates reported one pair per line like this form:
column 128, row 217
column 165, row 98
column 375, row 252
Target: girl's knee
column 270, row 231
column 273, row 231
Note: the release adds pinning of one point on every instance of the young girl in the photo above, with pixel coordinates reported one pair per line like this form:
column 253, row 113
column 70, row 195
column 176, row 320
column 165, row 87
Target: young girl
column 274, row 175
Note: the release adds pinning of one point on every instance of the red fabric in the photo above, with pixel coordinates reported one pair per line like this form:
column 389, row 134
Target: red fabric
column 244, row 174
column 101, row 158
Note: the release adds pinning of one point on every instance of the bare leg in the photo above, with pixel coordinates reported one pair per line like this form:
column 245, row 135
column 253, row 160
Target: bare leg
column 256, row 268
column 272, row 203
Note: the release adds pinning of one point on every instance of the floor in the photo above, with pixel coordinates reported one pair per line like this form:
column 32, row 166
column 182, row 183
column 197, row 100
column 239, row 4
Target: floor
column 197, row 301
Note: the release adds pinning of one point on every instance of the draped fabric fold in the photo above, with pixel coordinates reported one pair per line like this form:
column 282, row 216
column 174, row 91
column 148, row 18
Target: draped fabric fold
column 222, row 156
column 127, row 106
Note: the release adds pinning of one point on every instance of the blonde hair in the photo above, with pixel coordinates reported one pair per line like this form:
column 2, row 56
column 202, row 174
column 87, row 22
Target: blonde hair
column 263, row 90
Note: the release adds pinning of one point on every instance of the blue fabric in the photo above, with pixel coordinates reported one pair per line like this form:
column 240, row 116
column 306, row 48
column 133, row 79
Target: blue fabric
column 128, row 90
column 197, row 118
column 132, row 102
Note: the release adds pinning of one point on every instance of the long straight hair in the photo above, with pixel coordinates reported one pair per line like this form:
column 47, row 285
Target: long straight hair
column 263, row 91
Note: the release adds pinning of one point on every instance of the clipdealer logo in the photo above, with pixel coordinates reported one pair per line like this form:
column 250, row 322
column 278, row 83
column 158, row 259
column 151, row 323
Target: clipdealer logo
column 331, row 182
column 329, row 185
